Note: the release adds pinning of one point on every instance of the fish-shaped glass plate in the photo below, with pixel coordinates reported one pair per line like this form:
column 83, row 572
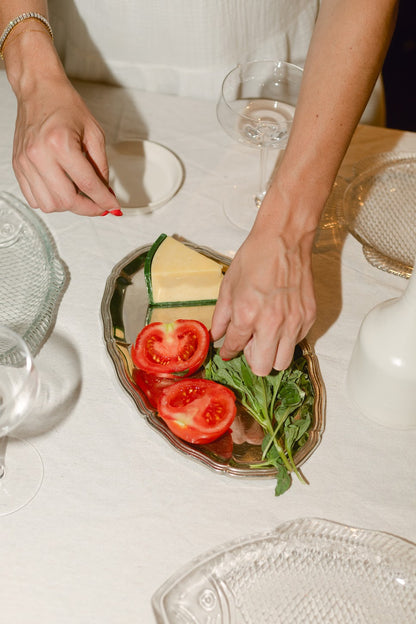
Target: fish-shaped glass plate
column 307, row 571
column 124, row 310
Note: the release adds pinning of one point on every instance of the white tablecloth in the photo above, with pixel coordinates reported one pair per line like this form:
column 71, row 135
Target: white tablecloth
column 119, row 509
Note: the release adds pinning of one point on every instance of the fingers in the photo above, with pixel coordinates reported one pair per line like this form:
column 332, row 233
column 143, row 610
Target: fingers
column 68, row 182
column 222, row 314
column 235, row 340
column 284, row 353
column 266, row 326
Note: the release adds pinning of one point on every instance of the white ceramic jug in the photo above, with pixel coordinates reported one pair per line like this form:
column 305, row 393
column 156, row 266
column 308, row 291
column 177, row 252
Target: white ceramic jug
column 381, row 377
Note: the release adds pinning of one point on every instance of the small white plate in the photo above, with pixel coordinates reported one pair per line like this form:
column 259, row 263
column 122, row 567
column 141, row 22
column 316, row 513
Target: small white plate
column 144, row 175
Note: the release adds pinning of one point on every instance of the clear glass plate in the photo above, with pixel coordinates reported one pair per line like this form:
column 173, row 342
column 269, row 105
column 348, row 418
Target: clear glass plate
column 32, row 276
column 124, row 310
column 379, row 209
column 307, row 571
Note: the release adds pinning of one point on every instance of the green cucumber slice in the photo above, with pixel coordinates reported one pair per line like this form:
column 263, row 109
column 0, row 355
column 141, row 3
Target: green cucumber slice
column 148, row 266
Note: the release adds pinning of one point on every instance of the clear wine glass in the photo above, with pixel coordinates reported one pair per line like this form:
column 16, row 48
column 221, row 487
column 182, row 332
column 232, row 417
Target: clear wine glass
column 256, row 107
column 21, row 467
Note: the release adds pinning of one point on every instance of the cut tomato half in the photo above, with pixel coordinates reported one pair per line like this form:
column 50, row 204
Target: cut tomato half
column 175, row 349
column 197, row 410
column 151, row 385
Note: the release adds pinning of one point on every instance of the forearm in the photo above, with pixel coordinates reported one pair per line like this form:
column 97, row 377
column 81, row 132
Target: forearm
column 345, row 57
column 28, row 51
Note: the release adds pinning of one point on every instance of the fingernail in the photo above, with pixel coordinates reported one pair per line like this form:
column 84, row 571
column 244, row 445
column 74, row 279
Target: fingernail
column 104, row 213
column 116, row 213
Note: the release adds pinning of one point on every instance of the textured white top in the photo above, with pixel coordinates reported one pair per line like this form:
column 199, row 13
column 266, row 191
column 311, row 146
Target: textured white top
column 182, row 47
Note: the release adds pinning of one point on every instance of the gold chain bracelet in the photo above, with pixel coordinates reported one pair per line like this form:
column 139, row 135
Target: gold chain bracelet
column 22, row 18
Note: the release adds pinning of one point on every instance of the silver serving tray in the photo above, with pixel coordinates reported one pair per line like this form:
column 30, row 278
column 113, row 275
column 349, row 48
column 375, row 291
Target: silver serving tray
column 124, row 309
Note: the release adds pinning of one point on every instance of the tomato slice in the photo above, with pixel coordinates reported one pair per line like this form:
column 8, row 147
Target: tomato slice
column 151, row 385
column 172, row 349
column 197, row 410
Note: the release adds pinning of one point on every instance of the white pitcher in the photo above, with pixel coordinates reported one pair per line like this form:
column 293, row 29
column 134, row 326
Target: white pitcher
column 381, row 377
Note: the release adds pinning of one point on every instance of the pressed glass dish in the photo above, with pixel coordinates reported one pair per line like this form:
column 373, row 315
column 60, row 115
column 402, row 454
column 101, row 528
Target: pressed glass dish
column 379, row 209
column 124, row 311
column 307, row 571
column 32, row 275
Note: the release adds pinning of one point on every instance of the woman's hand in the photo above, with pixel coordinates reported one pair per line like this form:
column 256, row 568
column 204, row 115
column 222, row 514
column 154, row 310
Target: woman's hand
column 266, row 302
column 59, row 148
column 59, row 152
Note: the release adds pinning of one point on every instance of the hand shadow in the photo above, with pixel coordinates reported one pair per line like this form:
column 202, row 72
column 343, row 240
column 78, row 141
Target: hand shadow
column 326, row 263
column 59, row 368
column 334, row 226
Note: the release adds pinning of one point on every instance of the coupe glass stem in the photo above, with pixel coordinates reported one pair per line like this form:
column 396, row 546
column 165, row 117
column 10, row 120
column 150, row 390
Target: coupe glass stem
column 3, row 447
column 263, row 182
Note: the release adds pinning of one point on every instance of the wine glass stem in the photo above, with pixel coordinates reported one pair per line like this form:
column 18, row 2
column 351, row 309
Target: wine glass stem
column 3, row 446
column 263, row 182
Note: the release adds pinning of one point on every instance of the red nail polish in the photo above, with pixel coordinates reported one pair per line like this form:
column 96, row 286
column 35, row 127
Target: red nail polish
column 116, row 213
column 104, row 213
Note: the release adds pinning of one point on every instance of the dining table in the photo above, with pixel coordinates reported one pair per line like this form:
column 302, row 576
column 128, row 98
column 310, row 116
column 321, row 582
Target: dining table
column 120, row 510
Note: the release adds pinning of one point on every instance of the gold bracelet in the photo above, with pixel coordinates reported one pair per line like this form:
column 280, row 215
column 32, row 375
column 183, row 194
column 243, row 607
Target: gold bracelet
column 22, row 18
column 23, row 32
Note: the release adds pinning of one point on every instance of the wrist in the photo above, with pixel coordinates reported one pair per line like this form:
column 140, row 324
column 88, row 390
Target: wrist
column 293, row 204
column 28, row 53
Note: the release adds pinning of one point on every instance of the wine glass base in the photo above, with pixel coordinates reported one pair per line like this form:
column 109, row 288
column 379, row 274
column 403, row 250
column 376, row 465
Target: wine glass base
column 22, row 477
column 239, row 206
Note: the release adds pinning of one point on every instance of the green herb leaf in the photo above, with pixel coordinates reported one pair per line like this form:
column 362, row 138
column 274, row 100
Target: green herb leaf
column 282, row 403
column 284, row 481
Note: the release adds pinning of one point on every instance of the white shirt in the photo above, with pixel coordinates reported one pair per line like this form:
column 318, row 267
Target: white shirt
column 181, row 47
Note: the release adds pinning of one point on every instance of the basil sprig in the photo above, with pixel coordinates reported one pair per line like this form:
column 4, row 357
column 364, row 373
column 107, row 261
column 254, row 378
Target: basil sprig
column 282, row 403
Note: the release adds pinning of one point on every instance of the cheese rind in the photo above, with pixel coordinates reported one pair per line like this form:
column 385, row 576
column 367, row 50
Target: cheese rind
column 179, row 273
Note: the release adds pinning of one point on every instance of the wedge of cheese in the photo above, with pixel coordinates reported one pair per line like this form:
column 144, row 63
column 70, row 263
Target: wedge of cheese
column 166, row 314
column 176, row 273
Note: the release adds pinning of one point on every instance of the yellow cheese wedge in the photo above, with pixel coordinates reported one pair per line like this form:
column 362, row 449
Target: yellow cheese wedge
column 179, row 273
column 202, row 313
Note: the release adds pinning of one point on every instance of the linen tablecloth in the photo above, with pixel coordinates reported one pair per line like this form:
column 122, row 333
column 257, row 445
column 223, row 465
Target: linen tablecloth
column 119, row 509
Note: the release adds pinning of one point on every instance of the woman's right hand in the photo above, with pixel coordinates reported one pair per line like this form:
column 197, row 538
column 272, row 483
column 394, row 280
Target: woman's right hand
column 59, row 148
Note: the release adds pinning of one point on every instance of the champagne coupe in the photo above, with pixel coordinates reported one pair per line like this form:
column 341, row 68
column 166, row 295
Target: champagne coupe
column 256, row 107
column 21, row 468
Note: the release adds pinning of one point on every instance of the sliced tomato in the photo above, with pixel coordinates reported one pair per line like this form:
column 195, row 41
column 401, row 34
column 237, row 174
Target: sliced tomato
column 175, row 349
column 197, row 410
column 151, row 385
